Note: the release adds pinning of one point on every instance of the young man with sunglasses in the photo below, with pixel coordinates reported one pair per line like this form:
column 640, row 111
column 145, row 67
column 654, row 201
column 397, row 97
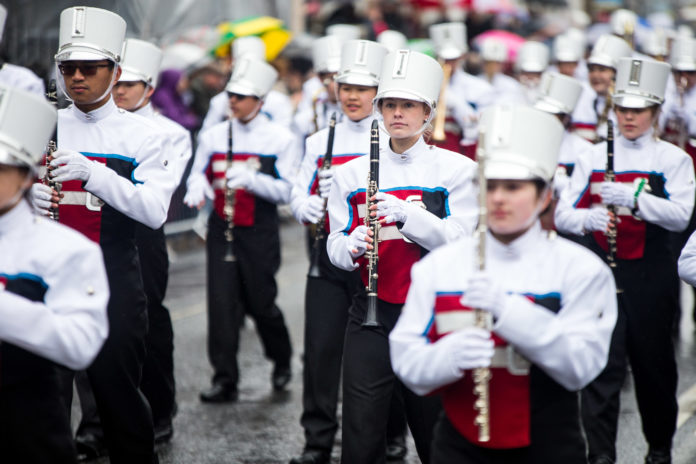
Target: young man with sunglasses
column 264, row 157
column 115, row 173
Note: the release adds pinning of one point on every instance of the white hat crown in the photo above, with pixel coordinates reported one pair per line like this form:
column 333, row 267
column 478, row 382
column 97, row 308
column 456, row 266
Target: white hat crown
column 655, row 43
column 520, row 142
column 683, row 54
column 640, row 83
column 449, row 40
column 141, row 61
column 345, row 31
column 607, row 51
column 252, row 77
column 88, row 33
column 567, row 48
column 361, row 63
column 249, row 45
column 494, row 50
column 623, row 21
column 410, row 75
column 326, row 53
column 27, row 121
column 532, row 57
column 393, row 40
column 558, row 93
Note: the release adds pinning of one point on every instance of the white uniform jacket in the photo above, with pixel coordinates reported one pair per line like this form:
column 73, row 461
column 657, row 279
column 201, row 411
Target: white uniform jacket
column 476, row 91
column 22, row 78
column 586, row 115
column 437, row 180
column 134, row 177
column 180, row 138
column 303, row 121
column 687, row 261
column 276, row 105
column 666, row 202
column 260, row 145
column 572, row 147
column 53, row 290
column 558, row 315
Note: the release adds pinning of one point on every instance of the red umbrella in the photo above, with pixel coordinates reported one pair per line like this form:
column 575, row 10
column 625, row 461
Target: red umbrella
column 511, row 40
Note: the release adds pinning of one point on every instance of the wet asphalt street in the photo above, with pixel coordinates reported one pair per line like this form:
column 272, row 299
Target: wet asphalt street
column 263, row 426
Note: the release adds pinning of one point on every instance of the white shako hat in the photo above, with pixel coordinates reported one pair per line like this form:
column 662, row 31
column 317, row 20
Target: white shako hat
column 655, row 43
column 88, row 33
column 141, row 62
column 412, row 76
column 520, row 142
column 532, row 57
column 249, row 45
column 567, row 49
column 558, row 94
column 622, row 21
column 393, row 40
column 3, row 18
column 640, row 83
column 27, row 121
column 683, row 54
column 344, row 31
column 326, row 54
column 607, row 51
column 361, row 63
column 494, row 50
column 252, row 77
column 449, row 40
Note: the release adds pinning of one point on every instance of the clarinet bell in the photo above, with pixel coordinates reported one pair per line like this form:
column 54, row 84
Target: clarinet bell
column 229, row 255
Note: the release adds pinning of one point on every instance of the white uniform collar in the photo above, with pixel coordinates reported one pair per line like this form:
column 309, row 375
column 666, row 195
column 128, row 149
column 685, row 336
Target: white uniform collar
column 515, row 249
column 409, row 155
column 147, row 111
column 16, row 219
column 360, row 126
column 640, row 142
column 96, row 115
column 259, row 120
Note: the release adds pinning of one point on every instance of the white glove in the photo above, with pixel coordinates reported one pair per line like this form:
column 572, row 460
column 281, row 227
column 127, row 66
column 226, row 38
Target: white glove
column 41, row 195
column 240, row 177
column 468, row 348
column 391, row 208
column 357, row 242
column 596, row 220
column 325, row 181
column 311, row 210
column 485, row 293
column 613, row 193
column 197, row 192
column 71, row 165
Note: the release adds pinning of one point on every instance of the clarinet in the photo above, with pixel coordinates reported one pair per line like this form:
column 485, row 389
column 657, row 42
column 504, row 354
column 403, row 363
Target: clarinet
column 228, row 208
column 320, row 235
column 610, row 176
column 52, row 97
column 482, row 375
column 373, row 225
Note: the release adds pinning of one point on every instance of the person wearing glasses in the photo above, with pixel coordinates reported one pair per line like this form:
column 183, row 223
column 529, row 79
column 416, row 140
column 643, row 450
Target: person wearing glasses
column 53, row 295
column 241, row 271
column 116, row 172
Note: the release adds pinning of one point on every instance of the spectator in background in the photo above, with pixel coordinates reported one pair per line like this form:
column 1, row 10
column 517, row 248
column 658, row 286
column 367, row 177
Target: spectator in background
column 298, row 71
column 168, row 99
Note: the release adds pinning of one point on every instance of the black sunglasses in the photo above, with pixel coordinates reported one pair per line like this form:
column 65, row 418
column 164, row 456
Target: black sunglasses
column 239, row 96
column 86, row 69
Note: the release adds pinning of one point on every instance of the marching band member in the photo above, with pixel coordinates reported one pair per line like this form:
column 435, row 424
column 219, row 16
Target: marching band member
column 425, row 199
column 53, row 295
column 464, row 95
column 329, row 291
column 678, row 118
column 313, row 112
column 111, row 182
column 18, row 77
column 653, row 195
column 687, row 261
column 494, row 54
column 568, row 53
column 532, row 60
column 277, row 105
column 264, row 156
column 595, row 107
column 656, row 45
column 552, row 304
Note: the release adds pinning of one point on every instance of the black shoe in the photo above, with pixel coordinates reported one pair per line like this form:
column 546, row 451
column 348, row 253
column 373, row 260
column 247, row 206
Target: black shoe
column 163, row 433
column 281, row 377
column 312, row 457
column 90, row 447
column 659, row 456
column 603, row 460
column 396, row 448
column 219, row 393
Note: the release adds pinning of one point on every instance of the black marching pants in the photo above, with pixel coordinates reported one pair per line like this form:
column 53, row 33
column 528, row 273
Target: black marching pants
column 246, row 286
column 643, row 337
column 368, row 385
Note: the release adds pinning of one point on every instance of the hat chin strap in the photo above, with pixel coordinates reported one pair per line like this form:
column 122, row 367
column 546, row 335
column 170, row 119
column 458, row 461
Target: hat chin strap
column 61, row 83
column 254, row 113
